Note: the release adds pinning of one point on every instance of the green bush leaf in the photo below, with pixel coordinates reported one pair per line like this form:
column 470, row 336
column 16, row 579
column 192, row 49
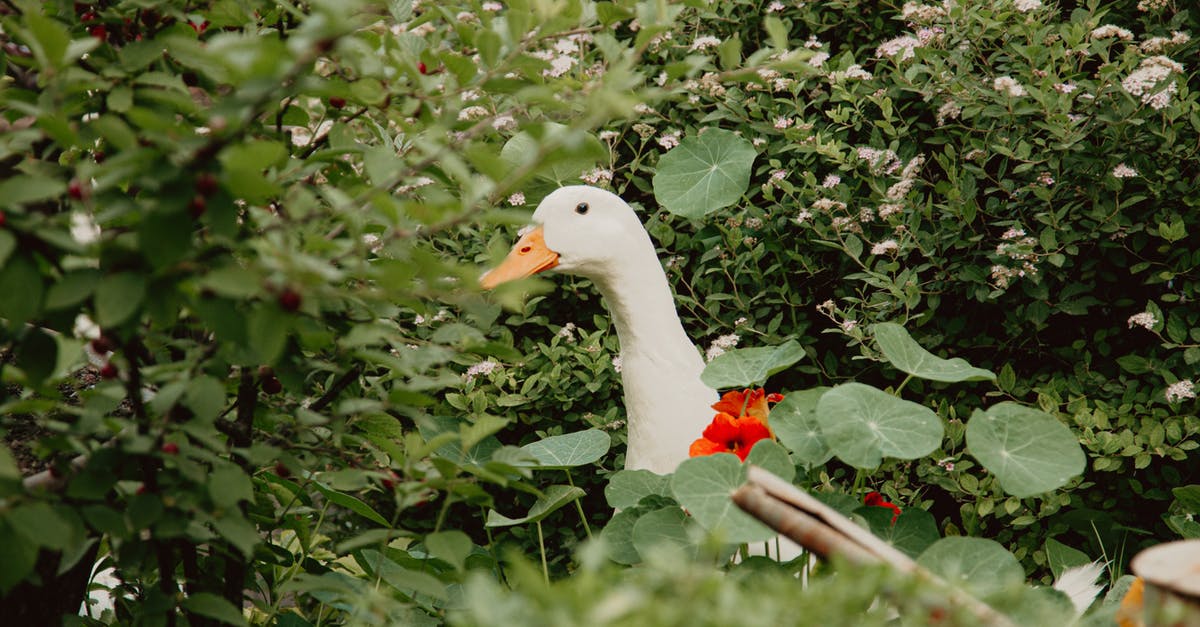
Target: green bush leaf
column 452, row 547
column 569, row 450
column 983, row 566
column 352, row 503
column 17, row 554
column 215, row 607
column 40, row 524
column 750, row 367
column 118, row 297
column 229, row 484
column 20, row 276
column 553, row 498
column 626, row 488
column 863, row 424
column 1028, row 450
column 72, row 289
column 702, row 485
column 703, row 174
column 794, row 421
column 908, row 356
column 1061, row 557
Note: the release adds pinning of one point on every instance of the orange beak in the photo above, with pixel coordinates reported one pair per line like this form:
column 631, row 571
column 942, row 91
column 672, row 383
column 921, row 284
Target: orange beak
column 528, row 256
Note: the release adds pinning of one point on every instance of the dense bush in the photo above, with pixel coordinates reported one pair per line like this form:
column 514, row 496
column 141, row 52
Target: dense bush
column 239, row 242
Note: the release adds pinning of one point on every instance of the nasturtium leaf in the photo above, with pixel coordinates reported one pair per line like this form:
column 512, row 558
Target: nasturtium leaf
column 571, row 449
column 627, row 488
column 862, row 425
column 552, row 498
column 665, row 526
column 794, row 421
column 750, row 367
column 703, row 485
column 913, row 532
column 983, row 566
column 118, row 297
column 215, row 607
column 704, row 173
column 1061, row 557
column 1028, row 450
column 908, row 356
column 618, row 537
column 451, row 547
column 772, row 457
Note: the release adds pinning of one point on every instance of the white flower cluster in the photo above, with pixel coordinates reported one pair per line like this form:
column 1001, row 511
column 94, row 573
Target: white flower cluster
column 482, row 368
column 720, row 345
column 885, row 247
column 567, row 332
column 1008, row 85
column 669, row 139
column 1017, row 247
column 1180, row 390
column 1123, row 171
column 1153, row 5
column 1145, row 319
column 1156, row 45
column 705, row 42
column 1025, row 6
column 1152, row 82
column 597, row 176
column 901, row 48
column 879, row 161
column 855, row 71
column 949, row 110
column 921, row 13
column 1108, row 30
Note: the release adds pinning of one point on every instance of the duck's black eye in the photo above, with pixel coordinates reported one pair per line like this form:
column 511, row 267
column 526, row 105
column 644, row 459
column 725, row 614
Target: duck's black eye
column 581, row 208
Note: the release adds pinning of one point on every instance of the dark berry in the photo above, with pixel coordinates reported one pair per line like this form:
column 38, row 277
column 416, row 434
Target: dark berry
column 337, row 102
column 197, row 206
column 421, row 67
column 282, row 470
column 206, row 184
column 3, row 219
column 99, row 32
column 76, row 189
column 102, row 345
column 170, row 448
column 142, row 489
column 289, row 299
column 271, row 385
column 199, row 28
column 109, row 371
column 99, row 156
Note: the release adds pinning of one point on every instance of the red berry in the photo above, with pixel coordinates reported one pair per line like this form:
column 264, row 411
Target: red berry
column 142, row 489
column 76, row 189
column 109, row 371
column 421, row 67
column 206, row 184
column 88, row 16
column 99, row 156
column 197, row 206
column 282, row 470
column 337, row 102
column 102, row 345
column 3, row 219
column 289, row 299
column 170, row 448
column 99, row 32
column 199, row 28
column 271, row 385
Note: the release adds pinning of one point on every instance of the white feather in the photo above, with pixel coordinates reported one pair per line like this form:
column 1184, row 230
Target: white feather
column 1080, row 585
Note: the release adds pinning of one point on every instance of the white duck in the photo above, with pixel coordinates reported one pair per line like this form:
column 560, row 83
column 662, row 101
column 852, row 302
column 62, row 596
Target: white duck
column 593, row 233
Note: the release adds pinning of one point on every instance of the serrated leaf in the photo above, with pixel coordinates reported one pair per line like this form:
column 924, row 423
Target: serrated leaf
column 794, row 421
column 570, row 450
column 703, row 174
column 863, row 424
column 750, row 367
column 908, row 356
column 703, row 485
column 552, row 498
column 1028, row 450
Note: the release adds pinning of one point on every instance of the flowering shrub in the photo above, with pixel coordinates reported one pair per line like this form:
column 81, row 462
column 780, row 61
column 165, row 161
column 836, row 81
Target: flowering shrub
column 244, row 364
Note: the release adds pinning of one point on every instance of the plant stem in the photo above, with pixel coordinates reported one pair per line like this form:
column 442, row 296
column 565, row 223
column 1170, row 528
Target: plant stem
column 542, row 548
column 579, row 508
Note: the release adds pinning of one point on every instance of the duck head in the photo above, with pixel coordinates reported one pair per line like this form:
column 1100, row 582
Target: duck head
column 579, row 230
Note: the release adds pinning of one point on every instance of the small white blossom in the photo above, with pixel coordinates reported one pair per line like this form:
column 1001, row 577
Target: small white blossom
column 84, row 229
column 596, row 176
column 1108, row 30
column 902, row 48
column 1145, row 319
column 504, row 123
column 669, row 139
column 491, row 7
column 567, row 332
column 1065, row 88
column 775, row 7
column 1008, row 85
column 782, row 123
column 720, row 345
column 517, row 199
column 1180, row 390
column 949, row 110
column 819, row 59
column 473, row 112
column 482, row 368
column 705, row 42
column 885, row 247
column 831, row 181
column 1025, row 6
column 616, row 363
column 1123, row 171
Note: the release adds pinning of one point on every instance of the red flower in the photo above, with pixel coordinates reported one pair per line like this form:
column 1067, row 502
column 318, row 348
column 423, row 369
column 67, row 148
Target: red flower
column 747, row 403
column 875, row 499
column 727, row 434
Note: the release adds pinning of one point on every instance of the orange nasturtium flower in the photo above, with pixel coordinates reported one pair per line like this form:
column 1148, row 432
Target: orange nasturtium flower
column 741, row 421
column 875, row 499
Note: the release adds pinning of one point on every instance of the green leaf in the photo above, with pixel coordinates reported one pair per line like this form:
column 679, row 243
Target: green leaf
column 36, row 355
column 243, row 166
column 72, row 289
column 863, row 424
column 215, row 607
column 770, row 456
column 8, row 243
column 983, row 566
column 118, row 297
column 1188, row 498
column 238, row 531
column 267, row 330
column 41, row 525
column 908, row 356
column 1028, row 450
column 572, row 152
column 914, row 531
column 1061, row 557
column 702, row 485
column 703, row 174
column 9, row 471
column 406, row 580
column 572, row 449
column 451, row 547
column 165, row 237
column 229, row 484
column 353, row 504
column 750, row 367
column 794, row 421
column 25, row 189
column 553, row 498
column 205, row 396
column 665, row 526
column 17, row 554
column 20, row 276
column 626, row 488
column 618, row 537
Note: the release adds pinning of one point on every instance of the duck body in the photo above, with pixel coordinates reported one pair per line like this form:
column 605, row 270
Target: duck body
column 593, row 233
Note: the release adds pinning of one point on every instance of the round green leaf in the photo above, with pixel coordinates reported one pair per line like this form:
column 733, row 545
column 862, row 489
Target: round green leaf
column 750, row 367
column 770, row 456
column 668, row 525
column 627, row 488
column 569, row 450
column 908, row 356
column 1028, row 450
column 702, row 485
column 983, row 566
column 794, row 421
column 914, row 531
column 863, row 424
column 703, row 174
column 618, row 537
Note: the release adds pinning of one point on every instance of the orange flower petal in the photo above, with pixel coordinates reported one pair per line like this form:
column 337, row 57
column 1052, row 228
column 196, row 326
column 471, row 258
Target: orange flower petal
column 732, row 403
column 704, row 446
column 723, row 428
